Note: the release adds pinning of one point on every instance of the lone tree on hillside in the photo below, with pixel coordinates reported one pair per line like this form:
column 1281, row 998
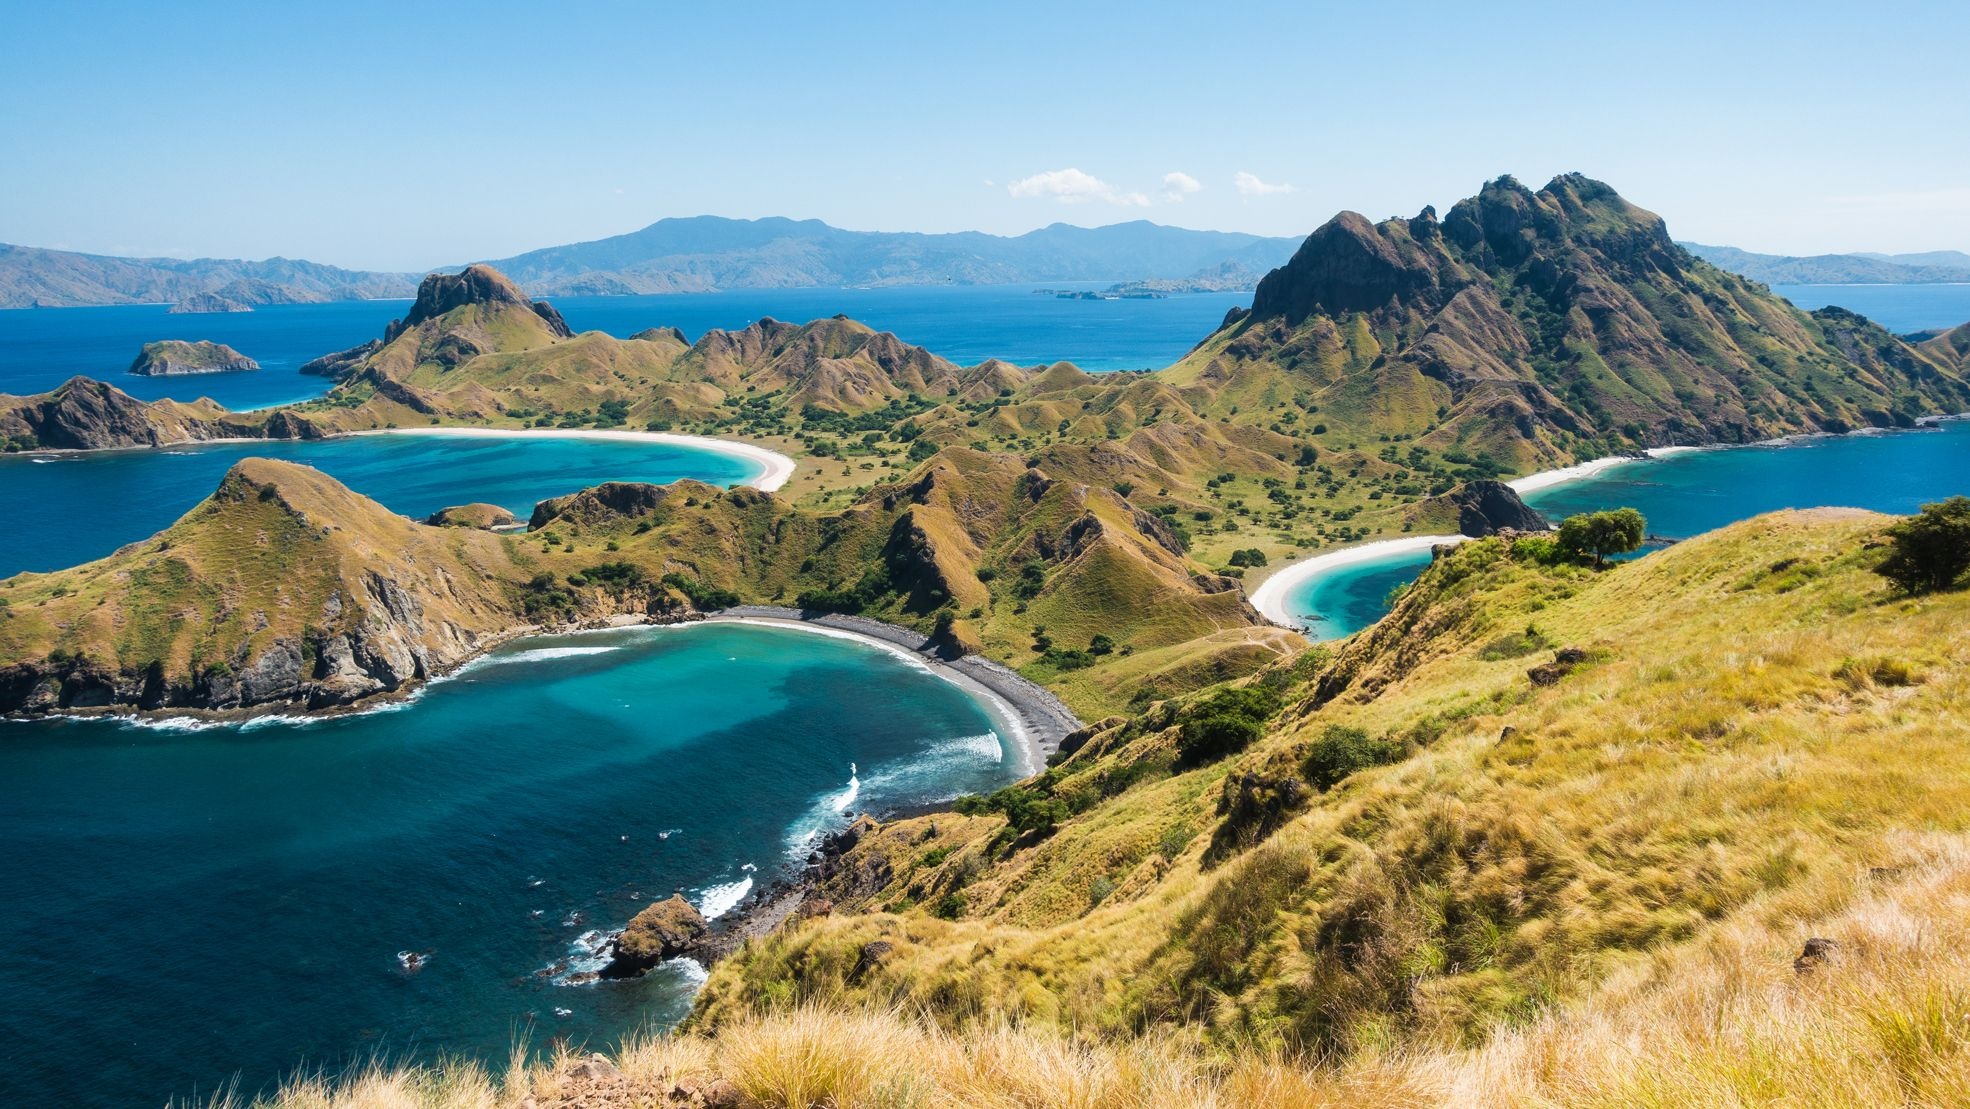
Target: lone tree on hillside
column 1931, row 549
column 1597, row 535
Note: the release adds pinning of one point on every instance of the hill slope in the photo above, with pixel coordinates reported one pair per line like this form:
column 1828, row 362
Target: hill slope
column 1739, row 728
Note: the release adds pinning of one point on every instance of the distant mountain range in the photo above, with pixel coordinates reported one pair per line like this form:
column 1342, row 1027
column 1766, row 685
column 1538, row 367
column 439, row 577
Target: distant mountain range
column 32, row 277
column 708, row 252
column 697, row 254
column 1838, row 269
column 705, row 253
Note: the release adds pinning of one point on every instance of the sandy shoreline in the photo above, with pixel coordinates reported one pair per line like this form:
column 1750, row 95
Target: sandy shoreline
column 1270, row 597
column 776, row 468
column 1032, row 718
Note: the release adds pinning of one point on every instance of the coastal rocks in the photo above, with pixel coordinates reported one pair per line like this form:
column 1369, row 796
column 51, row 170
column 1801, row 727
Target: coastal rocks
column 486, row 517
column 175, row 358
column 343, row 363
column 1489, row 507
column 663, row 930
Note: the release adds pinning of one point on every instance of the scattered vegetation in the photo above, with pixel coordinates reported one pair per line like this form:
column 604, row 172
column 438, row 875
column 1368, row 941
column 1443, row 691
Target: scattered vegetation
column 1930, row 551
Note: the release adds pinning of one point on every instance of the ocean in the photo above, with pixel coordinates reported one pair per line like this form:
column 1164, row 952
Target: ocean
column 1689, row 493
column 41, row 348
column 186, row 906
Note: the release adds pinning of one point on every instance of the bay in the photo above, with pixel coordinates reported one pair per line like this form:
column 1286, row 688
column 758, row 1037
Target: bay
column 184, row 906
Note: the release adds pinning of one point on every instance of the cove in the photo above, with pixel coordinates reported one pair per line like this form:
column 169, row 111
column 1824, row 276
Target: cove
column 1686, row 494
column 71, row 508
column 185, row 903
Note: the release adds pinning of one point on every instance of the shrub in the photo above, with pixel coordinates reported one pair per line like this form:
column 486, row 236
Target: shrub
column 704, row 597
column 1340, row 751
column 1249, row 556
column 1226, row 722
column 1931, row 549
column 1596, row 535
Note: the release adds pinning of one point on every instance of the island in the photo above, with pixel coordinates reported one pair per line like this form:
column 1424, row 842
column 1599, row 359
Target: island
column 176, row 357
column 205, row 303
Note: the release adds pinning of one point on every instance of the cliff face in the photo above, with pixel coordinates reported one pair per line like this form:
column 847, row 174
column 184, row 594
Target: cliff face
column 1539, row 326
column 175, row 357
column 83, row 414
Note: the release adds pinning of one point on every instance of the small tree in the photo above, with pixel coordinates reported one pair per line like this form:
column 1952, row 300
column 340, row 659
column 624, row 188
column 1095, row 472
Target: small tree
column 1931, row 549
column 1597, row 535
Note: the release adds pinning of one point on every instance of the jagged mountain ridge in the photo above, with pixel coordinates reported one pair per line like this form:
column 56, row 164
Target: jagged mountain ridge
column 1542, row 326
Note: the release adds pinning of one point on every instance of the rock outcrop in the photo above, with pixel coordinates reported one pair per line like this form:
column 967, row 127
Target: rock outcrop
column 440, row 293
column 1487, row 508
column 663, row 930
column 176, row 357
column 485, row 517
column 79, row 415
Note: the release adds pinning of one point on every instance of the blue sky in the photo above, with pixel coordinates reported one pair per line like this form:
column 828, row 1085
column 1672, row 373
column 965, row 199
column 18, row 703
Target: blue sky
column 408, row 135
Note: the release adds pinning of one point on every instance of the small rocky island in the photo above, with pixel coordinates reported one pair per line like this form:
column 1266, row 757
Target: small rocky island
column 173, row 357
column 201, row 303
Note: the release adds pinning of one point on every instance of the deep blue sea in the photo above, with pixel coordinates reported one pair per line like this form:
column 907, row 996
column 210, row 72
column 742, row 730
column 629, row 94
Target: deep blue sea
column 41, row 348
column 1690, row 493
column 71, row 508
column 183, row 906
column 1899, row 308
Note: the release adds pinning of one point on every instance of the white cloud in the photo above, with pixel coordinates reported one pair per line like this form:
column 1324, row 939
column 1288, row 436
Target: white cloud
column 1176, row 186
column 1248, row 184
column 1071, row 186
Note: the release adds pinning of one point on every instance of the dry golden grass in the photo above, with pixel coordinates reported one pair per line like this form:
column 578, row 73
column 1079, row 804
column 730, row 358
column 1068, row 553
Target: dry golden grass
column 1723, row 1020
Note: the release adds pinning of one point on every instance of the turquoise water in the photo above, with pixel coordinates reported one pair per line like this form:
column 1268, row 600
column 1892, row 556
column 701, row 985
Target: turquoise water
column 1688, row 494
column 41, row 348
column 1899, row 308
column 71, row 508
column 184, row 905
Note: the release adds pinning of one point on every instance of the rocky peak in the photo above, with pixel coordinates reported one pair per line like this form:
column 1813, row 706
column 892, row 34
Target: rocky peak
column 440, row 293
column 1348, row 265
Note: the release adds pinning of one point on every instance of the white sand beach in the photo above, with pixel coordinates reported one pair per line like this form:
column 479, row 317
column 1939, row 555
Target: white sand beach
column 776, row 467
column 1270, row 597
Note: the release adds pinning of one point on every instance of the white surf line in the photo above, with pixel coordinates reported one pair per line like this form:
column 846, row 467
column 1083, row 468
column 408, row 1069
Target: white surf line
column 1004, row 715
column 1270, row 597
column 776, row 467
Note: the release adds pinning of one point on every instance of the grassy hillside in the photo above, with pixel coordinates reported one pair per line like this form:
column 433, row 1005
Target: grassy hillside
column 285, row 587
column 1752, row 724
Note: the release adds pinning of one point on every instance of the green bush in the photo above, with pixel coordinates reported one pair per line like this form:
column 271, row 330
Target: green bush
column 1340, row 751
column 1930, row 550
column 1596, row 535
column 703, row 597
column 1226, row 722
